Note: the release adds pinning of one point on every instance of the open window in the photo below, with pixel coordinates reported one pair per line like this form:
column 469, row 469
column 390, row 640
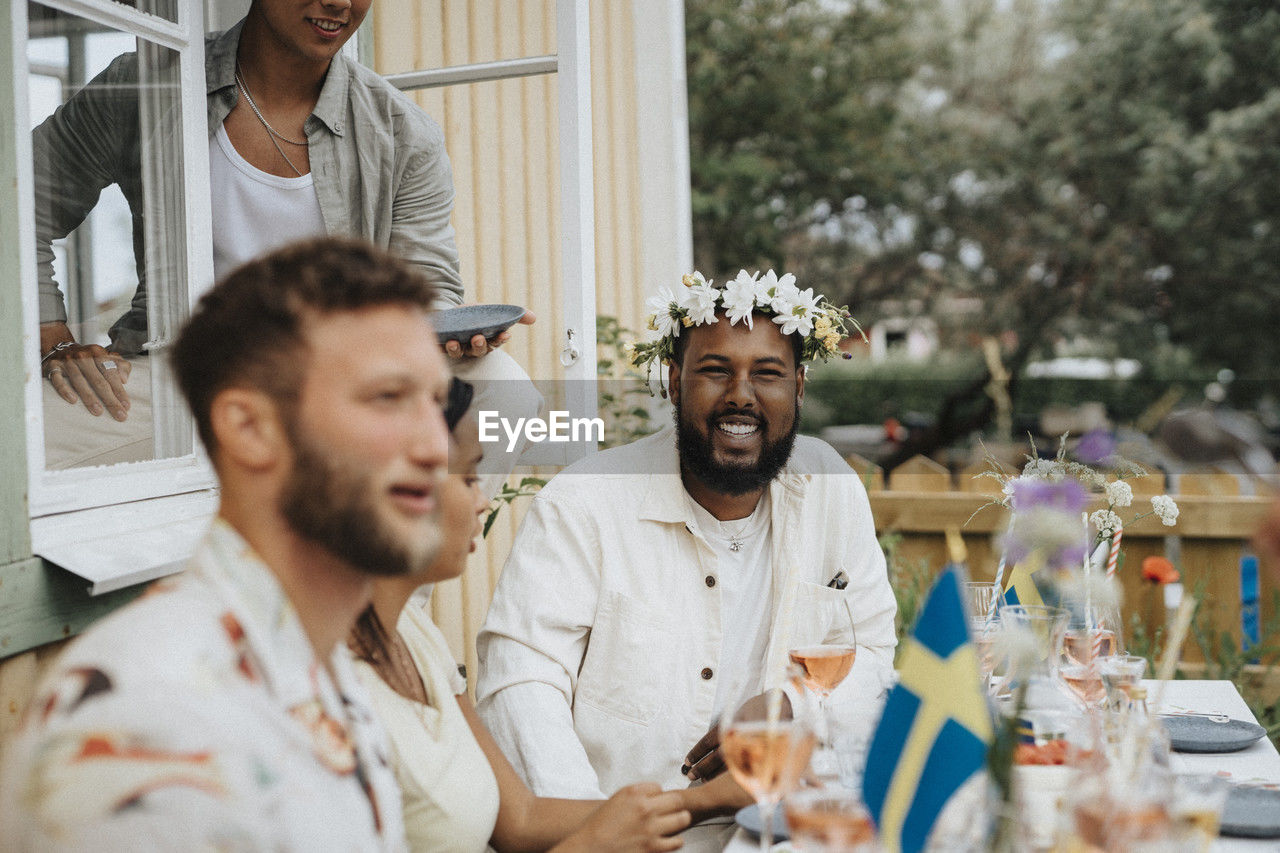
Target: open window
column 112, row 173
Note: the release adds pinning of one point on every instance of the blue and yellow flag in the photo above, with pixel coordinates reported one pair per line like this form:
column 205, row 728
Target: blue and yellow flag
column 1021, row 587
column 936, row 726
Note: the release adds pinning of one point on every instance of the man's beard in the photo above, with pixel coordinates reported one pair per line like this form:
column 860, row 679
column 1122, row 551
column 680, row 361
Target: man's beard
column 697, row 455
column 332, row 506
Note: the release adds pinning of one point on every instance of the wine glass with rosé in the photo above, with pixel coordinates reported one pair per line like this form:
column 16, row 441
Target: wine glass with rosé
column 1087, row 643
column 822, row 667
column 829, row 820
column 767, row 750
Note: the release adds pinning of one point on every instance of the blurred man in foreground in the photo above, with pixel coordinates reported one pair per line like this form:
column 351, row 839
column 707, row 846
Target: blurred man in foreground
column 220, row 711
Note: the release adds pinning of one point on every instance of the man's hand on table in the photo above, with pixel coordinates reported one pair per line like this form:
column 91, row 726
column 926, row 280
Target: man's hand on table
column 705, row 760
column 721, row 796
column 637, row 819
column 479, row 346
column 84, row 373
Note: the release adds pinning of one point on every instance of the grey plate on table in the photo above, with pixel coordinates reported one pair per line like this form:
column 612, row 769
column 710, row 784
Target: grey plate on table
column 466, row 321
column 1203, row 734
column 1252, row 813
column 749, row 819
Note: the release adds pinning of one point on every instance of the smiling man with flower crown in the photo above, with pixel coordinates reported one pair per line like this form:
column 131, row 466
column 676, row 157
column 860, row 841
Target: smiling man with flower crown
column 656, row 584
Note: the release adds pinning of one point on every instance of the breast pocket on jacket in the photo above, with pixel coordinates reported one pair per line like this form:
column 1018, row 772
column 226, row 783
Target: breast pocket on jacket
column 629, row 659
column 822, row 615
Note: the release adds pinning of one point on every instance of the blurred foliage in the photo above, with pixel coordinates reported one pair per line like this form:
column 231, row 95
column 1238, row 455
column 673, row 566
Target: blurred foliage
column 1097, row 171
column 910, row 580
column 863, row 391
column 623, row 396
column 790, row 103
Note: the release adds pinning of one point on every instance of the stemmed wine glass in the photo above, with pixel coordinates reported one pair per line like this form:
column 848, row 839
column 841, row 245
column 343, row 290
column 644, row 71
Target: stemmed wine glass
column 767, row 749
column 829, row 820
column 984, row 601
column 825, row 665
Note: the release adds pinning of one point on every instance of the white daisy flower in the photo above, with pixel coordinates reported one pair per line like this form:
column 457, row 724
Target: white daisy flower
column 699, row 302
column 778, row 293
column 800, row 313
column 739, row 299
column 1119, row 493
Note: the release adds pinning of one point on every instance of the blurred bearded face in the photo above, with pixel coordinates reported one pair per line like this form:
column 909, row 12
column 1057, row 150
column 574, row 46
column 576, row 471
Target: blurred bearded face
column 369, row 442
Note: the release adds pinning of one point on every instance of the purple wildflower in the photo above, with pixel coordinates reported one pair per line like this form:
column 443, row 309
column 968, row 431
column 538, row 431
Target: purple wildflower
column 1066, row 496
column 1095, row 446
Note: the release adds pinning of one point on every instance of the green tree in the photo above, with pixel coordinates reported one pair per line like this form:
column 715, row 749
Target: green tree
column 790, row 103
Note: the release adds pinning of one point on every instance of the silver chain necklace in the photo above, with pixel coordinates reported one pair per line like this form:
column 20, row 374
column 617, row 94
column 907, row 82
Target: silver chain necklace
column 735, row 537
column 272, row 134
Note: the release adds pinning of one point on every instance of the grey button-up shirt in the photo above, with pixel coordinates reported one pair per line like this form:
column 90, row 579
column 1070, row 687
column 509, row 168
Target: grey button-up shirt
column 379, row 165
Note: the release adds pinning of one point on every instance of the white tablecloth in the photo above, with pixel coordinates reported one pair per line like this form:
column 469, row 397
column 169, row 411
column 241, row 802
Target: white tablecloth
column 1258, row 763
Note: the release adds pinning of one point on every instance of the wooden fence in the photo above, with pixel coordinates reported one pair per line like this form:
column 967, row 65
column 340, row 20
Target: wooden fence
column 921, row 500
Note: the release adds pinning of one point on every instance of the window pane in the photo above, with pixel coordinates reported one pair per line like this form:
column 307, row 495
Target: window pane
column 110, row 251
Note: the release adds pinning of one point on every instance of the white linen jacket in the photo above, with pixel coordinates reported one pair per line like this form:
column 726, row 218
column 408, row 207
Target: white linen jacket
column 598, row 656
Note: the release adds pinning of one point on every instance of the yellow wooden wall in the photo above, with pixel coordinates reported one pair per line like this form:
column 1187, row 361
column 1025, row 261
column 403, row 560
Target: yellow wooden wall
column 502, row 137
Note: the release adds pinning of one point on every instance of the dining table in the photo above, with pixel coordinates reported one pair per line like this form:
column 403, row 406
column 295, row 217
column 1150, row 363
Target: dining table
column 1255, row 765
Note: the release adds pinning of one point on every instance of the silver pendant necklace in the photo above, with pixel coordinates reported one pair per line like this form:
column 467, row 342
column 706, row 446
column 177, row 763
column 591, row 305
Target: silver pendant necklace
column 735, row 536
column 271, row 131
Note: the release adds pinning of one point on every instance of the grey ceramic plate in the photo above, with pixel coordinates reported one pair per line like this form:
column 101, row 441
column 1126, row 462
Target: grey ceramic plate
column 466, row 321
column 1202, row 734
column 749, row 819
column 1252, row 813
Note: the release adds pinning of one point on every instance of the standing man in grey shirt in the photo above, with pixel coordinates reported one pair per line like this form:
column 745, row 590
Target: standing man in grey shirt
column 317, row 141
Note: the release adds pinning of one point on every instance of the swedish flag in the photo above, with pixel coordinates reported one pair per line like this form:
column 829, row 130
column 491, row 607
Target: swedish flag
column 1021, row 587
column 935, row 729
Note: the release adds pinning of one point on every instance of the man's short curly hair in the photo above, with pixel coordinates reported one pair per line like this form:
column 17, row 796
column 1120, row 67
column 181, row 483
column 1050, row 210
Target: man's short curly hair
column 249, row 329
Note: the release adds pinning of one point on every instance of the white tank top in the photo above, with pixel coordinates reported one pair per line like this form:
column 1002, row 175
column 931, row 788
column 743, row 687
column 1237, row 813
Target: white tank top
column 253, row 211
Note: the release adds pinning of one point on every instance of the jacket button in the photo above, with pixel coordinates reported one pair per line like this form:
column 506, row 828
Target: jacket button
column 707, row 673
column 711, row 581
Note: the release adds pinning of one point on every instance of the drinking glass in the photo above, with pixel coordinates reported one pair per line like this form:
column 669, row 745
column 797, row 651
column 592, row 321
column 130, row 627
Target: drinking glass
column 1198, row 801
column 829, row 820
column 766, row 752
column 1120, row 674
column 825, row 665
column 984, row 599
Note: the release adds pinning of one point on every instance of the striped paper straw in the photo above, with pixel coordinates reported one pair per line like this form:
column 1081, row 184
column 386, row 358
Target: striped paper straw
column 1114, row 556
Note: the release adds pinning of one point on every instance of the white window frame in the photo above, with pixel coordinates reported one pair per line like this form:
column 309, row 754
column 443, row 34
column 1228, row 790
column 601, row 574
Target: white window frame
column 572, row 65
column 61, row 500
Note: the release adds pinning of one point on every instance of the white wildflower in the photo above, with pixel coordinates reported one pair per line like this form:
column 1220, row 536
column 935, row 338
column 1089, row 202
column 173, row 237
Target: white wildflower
column 1043, row 469
column 1119, row 493
column 1101, row 592
column 801, row 313
column 666, row 316
column 778, row 293
column 1164, row 506
column 699, row 302
column 739, row 299
column 1105, row 522
column 1017, row 645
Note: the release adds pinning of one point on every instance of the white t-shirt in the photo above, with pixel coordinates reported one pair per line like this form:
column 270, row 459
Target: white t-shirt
column 746, row 598
column 254, row 211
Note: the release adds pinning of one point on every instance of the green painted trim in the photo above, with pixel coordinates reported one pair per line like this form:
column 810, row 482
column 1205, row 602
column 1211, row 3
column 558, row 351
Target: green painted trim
column 15, row 523
column 40, row 603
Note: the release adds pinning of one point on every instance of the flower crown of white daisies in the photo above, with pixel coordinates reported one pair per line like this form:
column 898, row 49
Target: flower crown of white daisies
column 821, row 325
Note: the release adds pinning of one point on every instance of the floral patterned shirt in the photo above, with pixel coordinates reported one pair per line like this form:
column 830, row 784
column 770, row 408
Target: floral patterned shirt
column 198, row 717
